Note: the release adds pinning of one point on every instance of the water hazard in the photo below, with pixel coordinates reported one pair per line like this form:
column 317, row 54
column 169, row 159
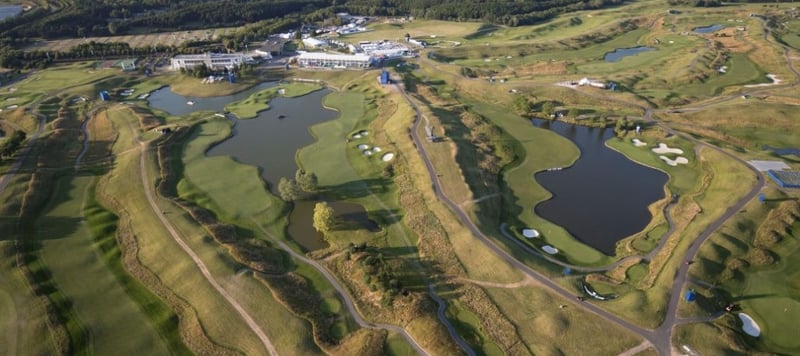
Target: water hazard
column 270, row 141
column 604, row 196
column 619, row 53
column 708, row 29
column 9, row 11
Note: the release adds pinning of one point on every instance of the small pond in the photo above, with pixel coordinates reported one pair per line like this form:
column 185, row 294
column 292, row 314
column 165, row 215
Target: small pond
column 270, row 141
column 708, row 29
column 619, row 53
column 9, row 11
column 604, row 196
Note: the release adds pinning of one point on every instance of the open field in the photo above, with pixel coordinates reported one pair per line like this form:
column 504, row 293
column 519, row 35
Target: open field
column 135, row 41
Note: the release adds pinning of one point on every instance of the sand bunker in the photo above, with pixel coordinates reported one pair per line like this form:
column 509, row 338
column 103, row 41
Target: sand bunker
column 550, row 249
column 376, row 149
column 387, row 157
column 530, row 233
column 676, row 161
column 356, row 136
column 363, row 133
column 638, row 143
column 749, row 325
column 367, row 153
column 663, row 148
column 362, row 147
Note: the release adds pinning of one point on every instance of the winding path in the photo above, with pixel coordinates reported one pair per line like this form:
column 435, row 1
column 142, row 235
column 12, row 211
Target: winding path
column 345, row 294
column 648, row 335
column 248, row 319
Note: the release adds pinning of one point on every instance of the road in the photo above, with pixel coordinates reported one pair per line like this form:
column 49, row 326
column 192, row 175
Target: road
column 648, row 335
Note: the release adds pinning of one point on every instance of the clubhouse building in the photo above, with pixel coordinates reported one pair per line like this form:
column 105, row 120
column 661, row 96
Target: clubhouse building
column 211, row 60
column 334, row 60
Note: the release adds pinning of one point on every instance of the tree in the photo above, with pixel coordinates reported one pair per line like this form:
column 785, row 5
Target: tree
column 288, row 189
column 307, row 181
column 547, row 108
column 573, row 113
column 522, row 105
column 324, row 220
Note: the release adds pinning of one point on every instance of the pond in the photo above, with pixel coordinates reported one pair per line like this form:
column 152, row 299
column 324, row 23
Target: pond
column 9, row 11
column 619, row 53
column 270, row 141
column 708, row 29
column 176, row 104
column 604, row 196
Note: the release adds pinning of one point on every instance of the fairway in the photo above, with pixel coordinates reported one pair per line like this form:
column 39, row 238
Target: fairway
column 117, row 324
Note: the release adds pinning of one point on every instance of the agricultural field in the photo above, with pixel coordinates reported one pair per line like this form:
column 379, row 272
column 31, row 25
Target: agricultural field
column 122, row 233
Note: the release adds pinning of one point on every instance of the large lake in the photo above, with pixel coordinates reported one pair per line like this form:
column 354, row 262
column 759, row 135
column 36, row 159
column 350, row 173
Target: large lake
column 604, row 196
column 270, row 141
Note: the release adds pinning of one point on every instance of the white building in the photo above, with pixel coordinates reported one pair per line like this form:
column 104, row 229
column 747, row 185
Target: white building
column 311, row 42
column 211, row 60
column 330, row 60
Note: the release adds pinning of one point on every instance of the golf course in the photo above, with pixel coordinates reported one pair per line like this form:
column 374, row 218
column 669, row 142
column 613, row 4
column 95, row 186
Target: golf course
column 609, row 180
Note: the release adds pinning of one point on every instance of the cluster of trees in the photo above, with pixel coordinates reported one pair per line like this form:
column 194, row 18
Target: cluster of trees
column 293, row 189
column 12, row 144
column 106, row 17
column 506, row 12
column 378, row 274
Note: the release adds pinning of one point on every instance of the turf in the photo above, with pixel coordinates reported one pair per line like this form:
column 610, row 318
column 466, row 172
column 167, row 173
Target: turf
column 257, row 102
column 115, row 321
column 221, row 323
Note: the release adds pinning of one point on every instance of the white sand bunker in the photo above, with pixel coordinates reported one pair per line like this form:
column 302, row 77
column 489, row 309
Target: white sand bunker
column 550, row 249
column 676, row 161
column 363, row 133
column 362, row 147
column 663, row 148
column 749, row 325
column 376, row 149
column 356, row 136
column 367, row 153
column 530, row 233
column 387, row 157
column 638, row 143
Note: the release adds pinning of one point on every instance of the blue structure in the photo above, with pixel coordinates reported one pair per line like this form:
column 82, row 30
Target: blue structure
column 612, row 86
column 104, row 95
column 231, row 77
column 762, row 197
column 690, row 296
column 567, row 271
column 385, row 77
column 785, row 179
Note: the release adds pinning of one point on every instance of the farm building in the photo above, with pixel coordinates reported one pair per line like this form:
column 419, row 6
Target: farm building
column 785, row 179
column 330, row 60
column 211, row 60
